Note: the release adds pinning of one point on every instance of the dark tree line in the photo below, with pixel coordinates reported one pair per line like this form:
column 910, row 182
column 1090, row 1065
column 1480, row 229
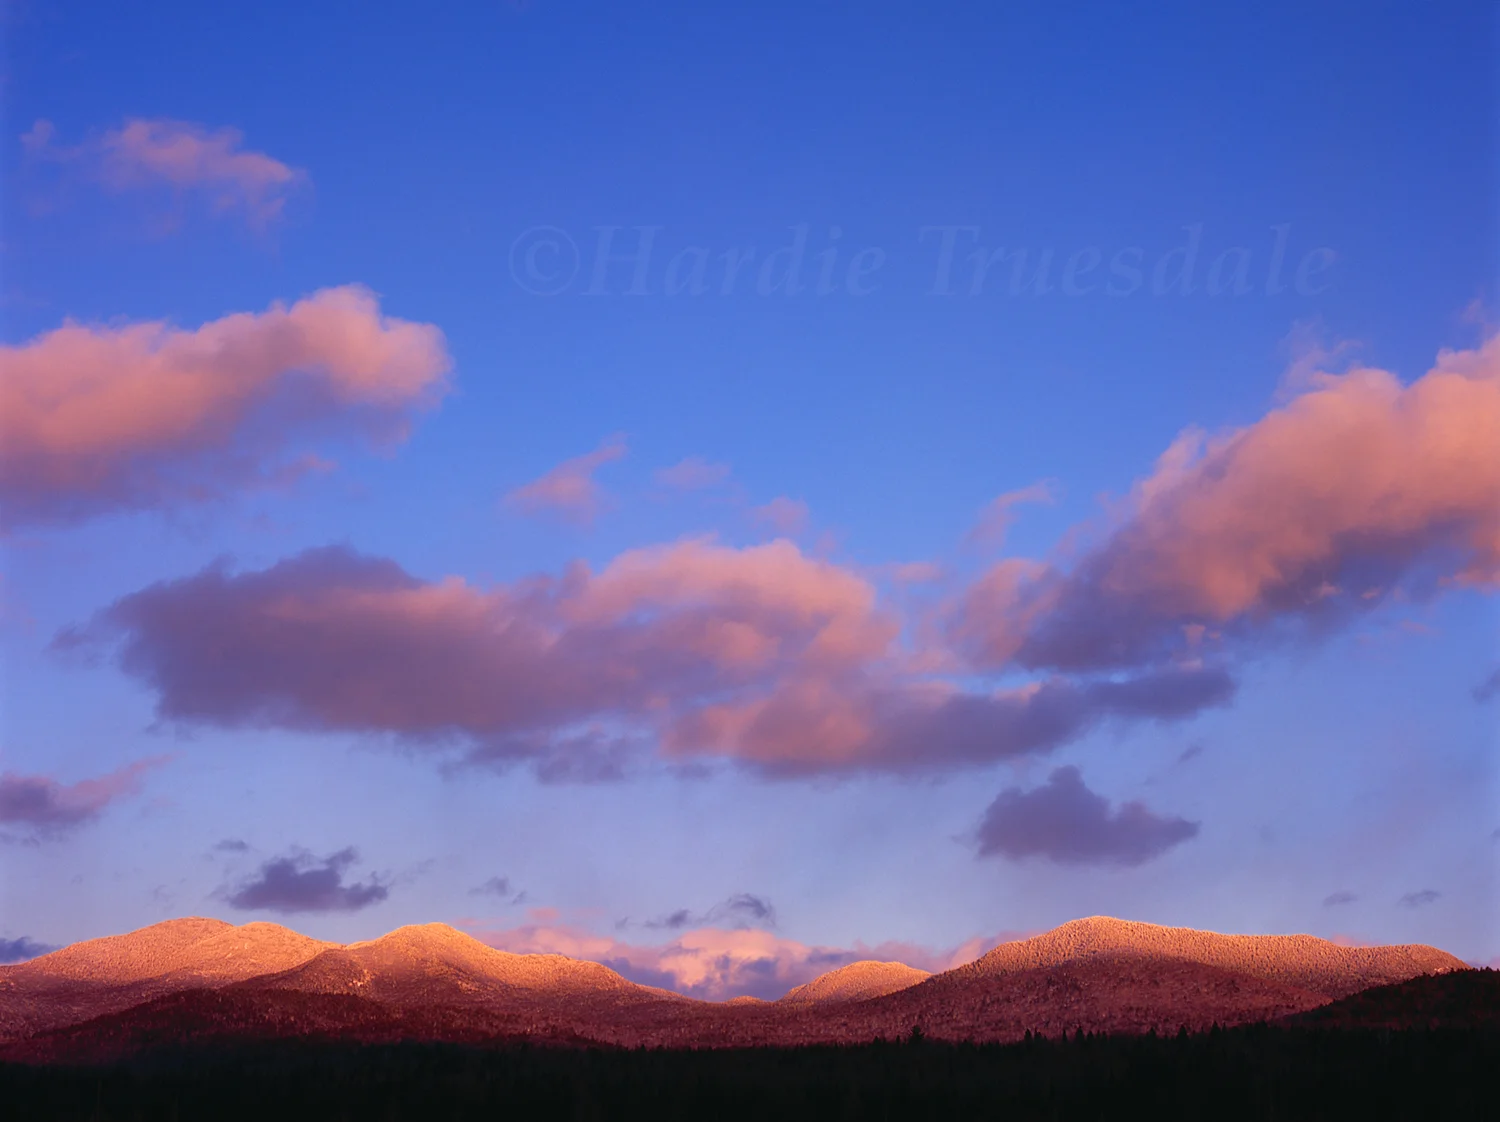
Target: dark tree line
column 1253, row 1072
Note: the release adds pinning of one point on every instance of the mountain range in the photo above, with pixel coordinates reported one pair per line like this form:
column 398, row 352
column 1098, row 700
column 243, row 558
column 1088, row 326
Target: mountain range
column 202, row 979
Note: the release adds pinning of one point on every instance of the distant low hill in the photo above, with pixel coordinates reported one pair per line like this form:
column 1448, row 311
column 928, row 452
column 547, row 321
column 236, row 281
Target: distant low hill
column 857, row 982
column 199, row 980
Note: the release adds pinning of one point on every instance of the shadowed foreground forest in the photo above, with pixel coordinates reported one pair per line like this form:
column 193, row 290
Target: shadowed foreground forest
column 1255, row 1072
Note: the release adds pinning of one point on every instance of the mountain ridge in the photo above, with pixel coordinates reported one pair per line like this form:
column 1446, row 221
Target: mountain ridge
column 432, row 981
column 406, row 965
column 1301, row 961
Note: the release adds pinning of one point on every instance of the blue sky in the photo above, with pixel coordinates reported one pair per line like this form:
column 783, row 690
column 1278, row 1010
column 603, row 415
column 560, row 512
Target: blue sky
column 457, row 162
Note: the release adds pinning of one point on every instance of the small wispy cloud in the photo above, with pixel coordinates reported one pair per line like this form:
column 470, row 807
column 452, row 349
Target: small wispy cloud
column 185, row 158
column 741, row 910
column 693, row 474
column 43, row 808
column 569, row 490
column 1420, row 898
column 499, row 888
column 784, row 516
column 997, row 518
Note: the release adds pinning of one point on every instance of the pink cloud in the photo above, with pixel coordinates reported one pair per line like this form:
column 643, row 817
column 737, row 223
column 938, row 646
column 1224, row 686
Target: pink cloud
column 331, row 639
column 760, row 654
column 693, row 474
column 181, row 156
column 570, row 490
column 717, row 964
column 772, row 657
column 43, row 807
column 996, row 519
column 817, row 724
column 95, row 418
column 781, row 516
column 747, row 602
column 1356, row 489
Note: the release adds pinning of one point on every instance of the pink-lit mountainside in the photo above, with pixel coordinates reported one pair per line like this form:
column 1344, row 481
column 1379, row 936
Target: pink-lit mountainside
column 199, row 980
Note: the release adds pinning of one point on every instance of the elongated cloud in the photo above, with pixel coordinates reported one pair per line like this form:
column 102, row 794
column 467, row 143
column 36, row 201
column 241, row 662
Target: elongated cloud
column 1357, row 489
column 716, row 964
column 1065, row 822
column 1420, row 899
column 570, row 490
column 182, row 157
column 760, row 654
column 41, row 807
column 95, row 418
column 300, row 882
column 330, row 639
column 818, row 725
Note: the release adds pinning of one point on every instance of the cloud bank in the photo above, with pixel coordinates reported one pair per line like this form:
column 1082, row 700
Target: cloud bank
column 1357, row 490
column 716, row 963
column 762, row 655
column 99, row 418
